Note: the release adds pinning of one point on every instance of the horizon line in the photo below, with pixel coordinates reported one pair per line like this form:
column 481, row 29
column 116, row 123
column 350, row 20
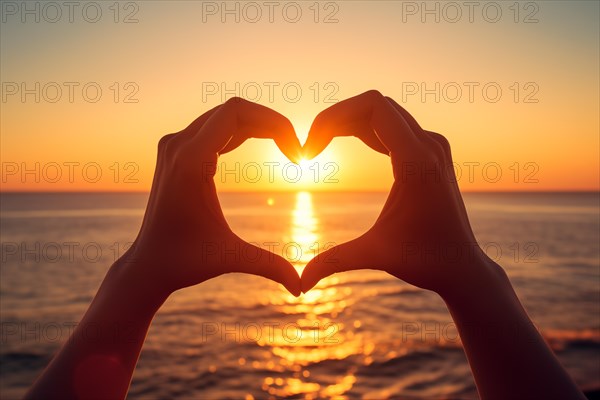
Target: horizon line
column 289, row 191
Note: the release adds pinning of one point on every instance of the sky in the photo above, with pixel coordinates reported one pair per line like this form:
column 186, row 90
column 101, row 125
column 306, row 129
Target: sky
column 89, row 89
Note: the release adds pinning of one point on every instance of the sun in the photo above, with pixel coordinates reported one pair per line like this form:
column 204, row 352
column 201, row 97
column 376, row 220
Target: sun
column 310, row 170
column 303, row 173
column 305, row 163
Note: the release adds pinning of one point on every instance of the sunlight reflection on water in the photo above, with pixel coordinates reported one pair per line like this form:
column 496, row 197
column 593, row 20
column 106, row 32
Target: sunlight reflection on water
column 304, row 230
column 314, row 337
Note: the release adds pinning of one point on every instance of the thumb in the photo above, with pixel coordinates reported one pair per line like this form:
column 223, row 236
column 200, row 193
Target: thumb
column 256, row 261
column 352, row 255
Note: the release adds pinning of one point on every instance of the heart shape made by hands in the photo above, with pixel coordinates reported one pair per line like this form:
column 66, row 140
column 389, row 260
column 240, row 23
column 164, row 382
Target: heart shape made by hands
column 184, row 226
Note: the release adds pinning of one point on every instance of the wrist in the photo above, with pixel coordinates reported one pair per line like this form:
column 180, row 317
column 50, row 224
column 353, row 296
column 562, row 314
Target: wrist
column 126, row 282
column 479, row 279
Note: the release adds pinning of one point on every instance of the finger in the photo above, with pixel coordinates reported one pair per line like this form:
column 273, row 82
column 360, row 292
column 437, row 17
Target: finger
column 359, row 129
column 353, row 255
column 374, row 143
column 256, row 261
column 198, row 122
column 367, row 135
column 443, row 142
column 191, row 129
column 369, row 109
column 235, row 142
column 162, row 148
column 243, row 119
column 436, row 138
column 432, row 136
column 412, row 122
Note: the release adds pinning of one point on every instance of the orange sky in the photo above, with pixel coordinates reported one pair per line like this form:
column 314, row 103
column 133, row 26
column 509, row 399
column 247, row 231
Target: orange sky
column 179, row 59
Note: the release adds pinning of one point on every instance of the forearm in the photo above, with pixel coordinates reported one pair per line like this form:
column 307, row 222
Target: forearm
column 98, row 359
column 508, row 356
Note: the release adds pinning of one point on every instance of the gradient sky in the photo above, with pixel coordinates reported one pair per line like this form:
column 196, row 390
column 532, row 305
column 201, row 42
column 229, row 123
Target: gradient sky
column 176, row 51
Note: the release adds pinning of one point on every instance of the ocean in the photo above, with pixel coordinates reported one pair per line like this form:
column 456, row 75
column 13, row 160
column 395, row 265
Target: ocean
column 361, row 334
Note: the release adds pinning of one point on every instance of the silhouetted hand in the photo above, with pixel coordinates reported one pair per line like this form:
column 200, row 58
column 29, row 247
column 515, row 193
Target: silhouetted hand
column 422, row 235
column 184, row 239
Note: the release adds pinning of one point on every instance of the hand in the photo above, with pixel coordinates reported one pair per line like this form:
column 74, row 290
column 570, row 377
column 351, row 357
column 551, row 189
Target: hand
column 184, row 238
column 422, row 235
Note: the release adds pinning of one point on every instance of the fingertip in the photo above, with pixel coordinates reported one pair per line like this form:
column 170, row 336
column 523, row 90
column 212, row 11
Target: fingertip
column 292, row 151
column 288, row 277
column 297, row 158
column 307, row 280
column 292, row 285
column 295, row 289
column 307, row 154
column 293, row 145
column 270, row 266
column 317, row 141
column 308, row 150
column 295, row 151
column 306, row 286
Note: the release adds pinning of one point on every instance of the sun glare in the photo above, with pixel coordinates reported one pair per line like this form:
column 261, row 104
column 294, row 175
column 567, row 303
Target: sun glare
column 304, row 163
column 311, row 172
